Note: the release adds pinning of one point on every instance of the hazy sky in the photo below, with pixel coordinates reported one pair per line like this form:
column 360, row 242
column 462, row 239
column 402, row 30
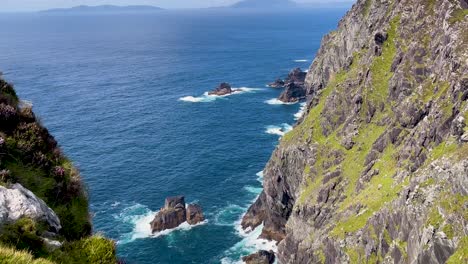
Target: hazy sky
column 31, row 5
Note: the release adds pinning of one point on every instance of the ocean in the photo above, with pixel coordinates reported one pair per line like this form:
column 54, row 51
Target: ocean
column 125, row 96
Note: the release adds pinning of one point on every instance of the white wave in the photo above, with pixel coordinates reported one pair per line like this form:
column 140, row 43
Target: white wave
column 254, row 190
column 301, row 60
column 260, row 176
column 205, row 98
column 301, row 112
column 278, row 130
column 250, row 243
column 140, row 217
column 275, row 101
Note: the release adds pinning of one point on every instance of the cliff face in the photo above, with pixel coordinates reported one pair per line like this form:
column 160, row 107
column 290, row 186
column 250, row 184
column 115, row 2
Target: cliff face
column 43, row 205
column 377, row 169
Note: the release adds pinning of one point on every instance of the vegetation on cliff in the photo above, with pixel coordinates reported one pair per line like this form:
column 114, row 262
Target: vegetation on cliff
column 376, row 170
column 30, row 156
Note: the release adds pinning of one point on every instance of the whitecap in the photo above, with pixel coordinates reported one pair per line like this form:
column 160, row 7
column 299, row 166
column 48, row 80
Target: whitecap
column 301, row 60
column 206, row 97
column 260, row 176
column 254, row 190
column 249, row 244
column 115, row 204
column 275, row 101
column 279, row 130
column 140, row 217
column 301, row 112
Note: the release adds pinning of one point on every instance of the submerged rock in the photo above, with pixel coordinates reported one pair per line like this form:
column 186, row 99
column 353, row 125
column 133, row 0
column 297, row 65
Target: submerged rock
column 261, row 257
column 174, row 213
column 18, row 202
column 222, row 89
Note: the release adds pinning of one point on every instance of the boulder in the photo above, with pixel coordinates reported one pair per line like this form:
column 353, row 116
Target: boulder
column 261, row 257
column 174, row 213
column 222, row 89
column 293, row 93
column 18, row 202
column 194, row 214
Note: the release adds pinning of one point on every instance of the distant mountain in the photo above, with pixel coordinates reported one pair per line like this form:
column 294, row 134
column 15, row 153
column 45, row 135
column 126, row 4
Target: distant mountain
column 264, row 4
column 104, row 9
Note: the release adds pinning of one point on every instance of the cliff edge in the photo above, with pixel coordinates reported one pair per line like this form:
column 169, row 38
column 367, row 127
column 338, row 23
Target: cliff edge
column 376, row 171
column 44, row 216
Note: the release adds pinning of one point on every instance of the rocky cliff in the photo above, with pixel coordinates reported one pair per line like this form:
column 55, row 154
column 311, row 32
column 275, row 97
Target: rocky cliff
column 376, row 171
column 43, row 204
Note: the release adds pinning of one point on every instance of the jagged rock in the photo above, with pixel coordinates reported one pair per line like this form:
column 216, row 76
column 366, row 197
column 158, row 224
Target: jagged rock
column 293, row 93
column 222, row 89
column 17, row 202
column 171, row 216
column 174, row 213
column 277, row 84
column 296, row 76
column 394, row 107
column 194, row 214
column 261, row 257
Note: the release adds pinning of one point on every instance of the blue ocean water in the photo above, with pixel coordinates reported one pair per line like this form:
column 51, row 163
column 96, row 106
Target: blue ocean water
column 124, row 96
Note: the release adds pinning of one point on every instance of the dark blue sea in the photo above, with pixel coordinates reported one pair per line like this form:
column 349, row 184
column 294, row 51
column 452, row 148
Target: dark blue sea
column 125, row 97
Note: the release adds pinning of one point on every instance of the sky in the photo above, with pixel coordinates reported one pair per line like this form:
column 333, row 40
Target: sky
column 35, row 5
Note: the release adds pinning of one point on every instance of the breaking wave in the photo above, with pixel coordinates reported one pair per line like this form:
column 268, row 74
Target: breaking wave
column 206, row 98
column 279, row 130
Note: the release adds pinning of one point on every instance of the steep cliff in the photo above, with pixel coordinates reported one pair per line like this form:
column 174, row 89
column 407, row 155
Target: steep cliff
column 377, row 169
column 43, row 204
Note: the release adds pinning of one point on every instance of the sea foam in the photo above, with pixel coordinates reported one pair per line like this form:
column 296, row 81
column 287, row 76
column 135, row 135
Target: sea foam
column 275, row 101
column 278, row 130
column 206, row 98
column 140, row 217
column 301, row 112
column 249, row 244
column 301, row 60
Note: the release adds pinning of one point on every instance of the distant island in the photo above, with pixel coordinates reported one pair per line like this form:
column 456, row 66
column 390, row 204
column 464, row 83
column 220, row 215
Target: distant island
column 105, row 9
column 264, row 4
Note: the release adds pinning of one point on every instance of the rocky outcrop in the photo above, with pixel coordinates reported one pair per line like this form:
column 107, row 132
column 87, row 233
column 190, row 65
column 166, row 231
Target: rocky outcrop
column 174, row 213
column 17, row 202
column 364, row 175
column 294, row 84
column 194, row 214
column 277, row 84
column 261, row 257
column 294, row 92
column 222, row 89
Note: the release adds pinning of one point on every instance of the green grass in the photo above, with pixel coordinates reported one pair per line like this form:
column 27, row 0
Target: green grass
column 95, row 249
column 461, row 254
column 458, row 16
column 13, row 256
column 367, row 6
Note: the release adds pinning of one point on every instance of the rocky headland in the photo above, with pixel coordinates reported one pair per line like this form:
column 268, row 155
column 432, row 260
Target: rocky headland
column 174, row 213
column 376, row 171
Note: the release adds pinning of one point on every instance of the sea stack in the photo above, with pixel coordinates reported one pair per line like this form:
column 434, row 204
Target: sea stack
column 222, row 89
column 174, row 213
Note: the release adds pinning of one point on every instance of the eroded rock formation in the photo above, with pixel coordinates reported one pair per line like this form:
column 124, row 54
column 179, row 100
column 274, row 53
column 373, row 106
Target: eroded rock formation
column 376, row 170
column 174, row 213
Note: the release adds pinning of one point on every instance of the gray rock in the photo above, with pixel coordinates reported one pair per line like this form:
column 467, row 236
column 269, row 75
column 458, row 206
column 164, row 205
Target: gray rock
column 17, row 202
column 194, row 214
column 261, row 257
